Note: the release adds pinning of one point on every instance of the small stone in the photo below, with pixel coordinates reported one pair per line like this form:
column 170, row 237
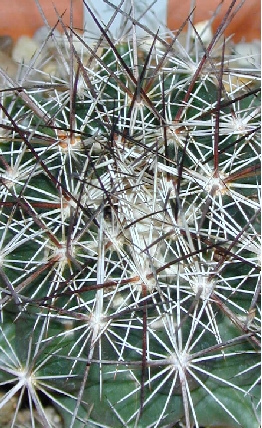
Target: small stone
column 8, row 65
column 24, row 49
column 6, row 44
column 42, row 35
column 204, row 31
column 50, row 69
column 7, row 410
column 248, row 54
column 77, row 42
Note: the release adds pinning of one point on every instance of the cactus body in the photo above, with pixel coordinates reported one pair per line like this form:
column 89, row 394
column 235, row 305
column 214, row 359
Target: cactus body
column 129, row 233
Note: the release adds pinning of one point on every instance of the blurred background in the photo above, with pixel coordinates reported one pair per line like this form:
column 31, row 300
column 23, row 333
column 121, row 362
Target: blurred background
column 22, row 17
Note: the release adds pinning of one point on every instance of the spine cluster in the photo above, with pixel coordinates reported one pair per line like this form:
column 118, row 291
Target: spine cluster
column 129, row 232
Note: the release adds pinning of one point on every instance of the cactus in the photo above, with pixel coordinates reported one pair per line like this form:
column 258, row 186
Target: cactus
column 129, row 231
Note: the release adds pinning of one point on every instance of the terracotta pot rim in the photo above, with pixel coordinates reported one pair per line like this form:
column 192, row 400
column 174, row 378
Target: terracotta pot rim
column 16, row 21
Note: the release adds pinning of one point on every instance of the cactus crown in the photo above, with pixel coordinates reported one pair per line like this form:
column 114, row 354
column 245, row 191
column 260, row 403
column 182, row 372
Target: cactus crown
column 129, row 230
